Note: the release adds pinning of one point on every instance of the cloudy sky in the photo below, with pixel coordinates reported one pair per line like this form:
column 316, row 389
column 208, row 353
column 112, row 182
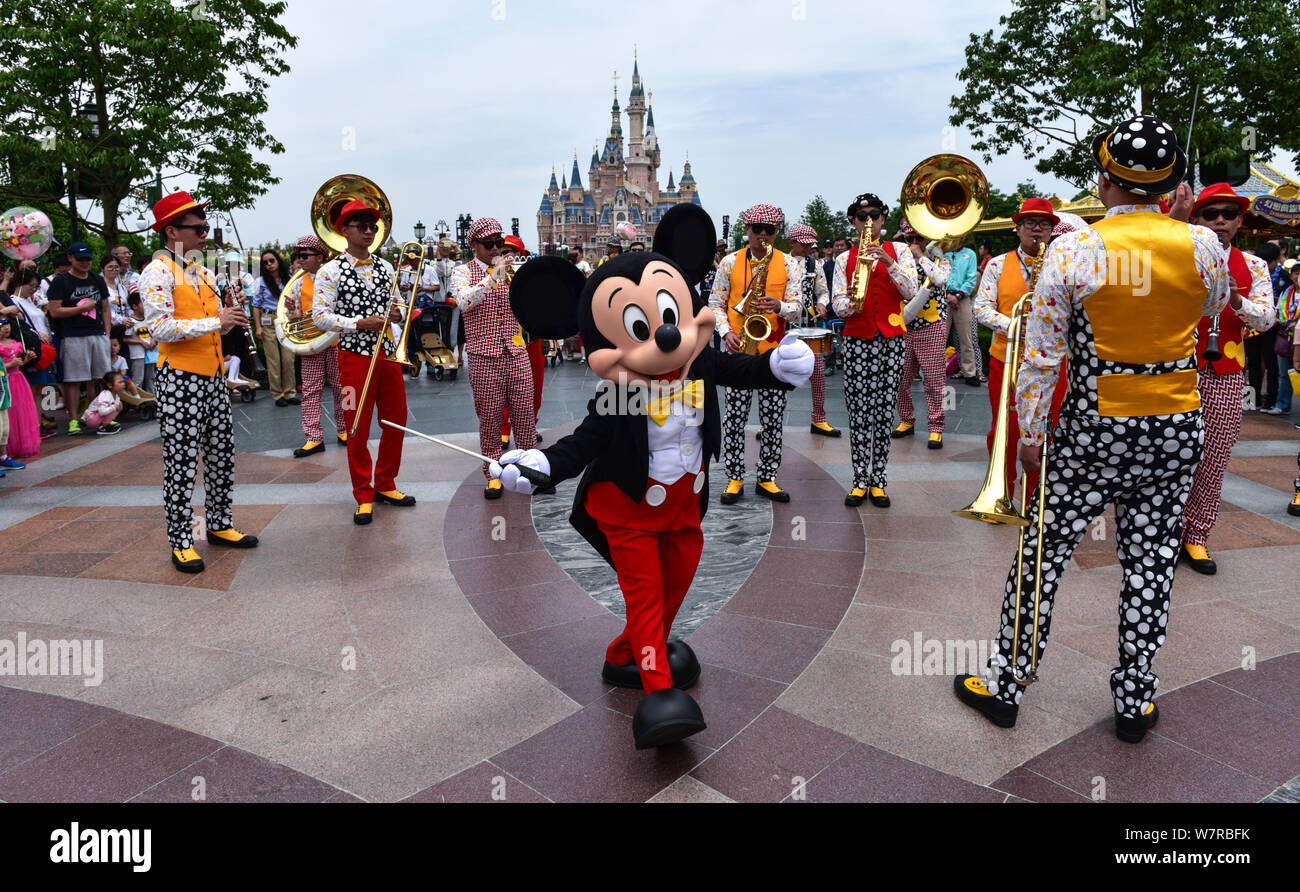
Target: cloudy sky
column 464, row 105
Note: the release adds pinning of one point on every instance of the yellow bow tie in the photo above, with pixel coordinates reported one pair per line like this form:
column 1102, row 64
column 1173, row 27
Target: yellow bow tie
column 362, row 262
column 691, row 394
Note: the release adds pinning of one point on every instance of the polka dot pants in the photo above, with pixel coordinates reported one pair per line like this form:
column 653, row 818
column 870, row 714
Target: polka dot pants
column 872, row 369
column 1143, row 466
column 194, row 417
column 771, row 415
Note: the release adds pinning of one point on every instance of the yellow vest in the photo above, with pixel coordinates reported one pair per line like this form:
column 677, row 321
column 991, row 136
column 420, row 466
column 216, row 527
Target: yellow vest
column 1153, row 328
column 201, row 355
column 741, row 272
column 305, row 295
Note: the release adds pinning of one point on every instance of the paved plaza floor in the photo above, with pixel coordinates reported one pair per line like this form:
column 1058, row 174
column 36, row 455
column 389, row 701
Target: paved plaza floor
column 452, row 651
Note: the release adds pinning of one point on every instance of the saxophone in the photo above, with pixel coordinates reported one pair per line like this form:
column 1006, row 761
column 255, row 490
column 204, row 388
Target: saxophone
column 861, row 276
column 755, row 328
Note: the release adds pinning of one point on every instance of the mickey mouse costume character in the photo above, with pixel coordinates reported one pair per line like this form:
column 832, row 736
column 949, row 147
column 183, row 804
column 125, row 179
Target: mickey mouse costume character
column 644, row 448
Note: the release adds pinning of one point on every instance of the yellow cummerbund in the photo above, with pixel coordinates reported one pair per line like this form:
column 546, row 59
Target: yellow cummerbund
column 1123, row 396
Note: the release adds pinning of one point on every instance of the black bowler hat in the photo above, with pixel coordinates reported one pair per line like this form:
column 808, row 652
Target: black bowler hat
column 1141, row 155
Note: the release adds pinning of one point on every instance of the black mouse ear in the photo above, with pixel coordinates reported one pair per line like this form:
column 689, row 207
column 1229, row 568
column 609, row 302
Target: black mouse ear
column 544, row 297
column 686, row 234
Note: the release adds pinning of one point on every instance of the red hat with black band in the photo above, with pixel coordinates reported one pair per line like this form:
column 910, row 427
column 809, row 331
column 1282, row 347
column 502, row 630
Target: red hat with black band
column 354, row 208
column 172, row 207
column 1036, row 207
column 1219, row 192
column 514, row 241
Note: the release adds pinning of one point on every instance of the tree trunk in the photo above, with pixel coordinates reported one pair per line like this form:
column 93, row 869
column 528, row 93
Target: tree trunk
column 110, row 203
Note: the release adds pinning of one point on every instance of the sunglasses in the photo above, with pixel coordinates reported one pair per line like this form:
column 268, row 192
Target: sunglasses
column 306, row 255
column 492, row 243
column 869, row 214
column 763, row 228
column 199, row 228
column 1231, row 212
column 365, row 225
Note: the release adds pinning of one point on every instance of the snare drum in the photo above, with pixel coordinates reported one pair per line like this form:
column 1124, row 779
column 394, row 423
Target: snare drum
column 817, row 339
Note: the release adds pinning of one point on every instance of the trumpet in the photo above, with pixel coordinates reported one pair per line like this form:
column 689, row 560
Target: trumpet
column 756, row 327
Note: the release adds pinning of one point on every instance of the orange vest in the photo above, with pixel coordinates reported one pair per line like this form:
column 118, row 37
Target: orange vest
column 201, row 355
column 741, row 272
column 305, row 295
column 882, row 310
column 1011, row 287
column 1152, row 328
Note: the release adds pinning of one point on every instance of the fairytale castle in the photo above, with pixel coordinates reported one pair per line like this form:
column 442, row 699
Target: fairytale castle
column 623, row 187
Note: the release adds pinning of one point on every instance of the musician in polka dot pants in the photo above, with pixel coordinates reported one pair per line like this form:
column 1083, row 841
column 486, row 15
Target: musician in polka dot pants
column 1131, row 430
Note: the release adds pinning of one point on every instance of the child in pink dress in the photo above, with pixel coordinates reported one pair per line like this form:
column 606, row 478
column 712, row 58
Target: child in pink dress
column 24, row 424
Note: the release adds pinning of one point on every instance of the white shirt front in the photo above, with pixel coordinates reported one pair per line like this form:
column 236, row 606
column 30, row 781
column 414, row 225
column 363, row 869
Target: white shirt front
column 677, row 447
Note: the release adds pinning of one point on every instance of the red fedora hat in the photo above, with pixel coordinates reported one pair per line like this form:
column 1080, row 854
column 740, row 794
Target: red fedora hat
column 173, row 206
column 1216, row 193
column 1036, row 207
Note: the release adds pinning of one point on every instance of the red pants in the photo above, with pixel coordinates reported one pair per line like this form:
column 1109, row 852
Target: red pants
column 1013, row 421
column 388, row 389
column 655, row 551
column 536, row 359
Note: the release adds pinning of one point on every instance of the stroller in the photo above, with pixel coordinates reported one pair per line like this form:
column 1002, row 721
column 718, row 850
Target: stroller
column 429, row 349
column 143, row 402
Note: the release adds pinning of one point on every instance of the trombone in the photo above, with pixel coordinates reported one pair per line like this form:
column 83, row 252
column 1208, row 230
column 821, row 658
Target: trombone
column 993, row 504
column 410, row 259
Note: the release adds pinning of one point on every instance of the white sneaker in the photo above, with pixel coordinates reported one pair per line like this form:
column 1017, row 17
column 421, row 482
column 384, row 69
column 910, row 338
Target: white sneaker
column 1272, row 410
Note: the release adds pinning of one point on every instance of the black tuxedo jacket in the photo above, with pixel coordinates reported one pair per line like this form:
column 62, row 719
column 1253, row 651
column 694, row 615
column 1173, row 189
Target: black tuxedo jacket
column 616, row 447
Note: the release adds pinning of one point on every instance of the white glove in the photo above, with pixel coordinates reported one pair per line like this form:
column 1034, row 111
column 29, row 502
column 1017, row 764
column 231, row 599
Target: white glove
column 509, row 475
column 792, row 361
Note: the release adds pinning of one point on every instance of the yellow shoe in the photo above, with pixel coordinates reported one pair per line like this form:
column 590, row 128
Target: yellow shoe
column 855, row 497
column 936, row 441
column 187, row 561
column 878, row 497
column 231, row 538
column 395, row 497
column 343, row 439
column 903, row 430
column 735, row 489
column 494, row 490
column 364, row 514
column 824, row 429
column 970, row 690
column 1199, row 559
column 505, row 439
column 769, row 490
column 1294, row 508
column 312, row 447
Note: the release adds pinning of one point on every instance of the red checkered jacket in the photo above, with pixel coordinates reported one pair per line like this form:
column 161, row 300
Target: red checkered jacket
column 490, row 326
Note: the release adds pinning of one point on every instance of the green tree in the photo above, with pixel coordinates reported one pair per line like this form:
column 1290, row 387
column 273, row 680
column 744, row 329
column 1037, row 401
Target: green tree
column 1081, row 65
column 116, row 90
column 829, row 224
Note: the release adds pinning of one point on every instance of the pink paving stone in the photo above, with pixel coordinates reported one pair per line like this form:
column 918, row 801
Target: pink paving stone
column 234, row 775
column 868, row 774
column 763, row 762
column 483, row 782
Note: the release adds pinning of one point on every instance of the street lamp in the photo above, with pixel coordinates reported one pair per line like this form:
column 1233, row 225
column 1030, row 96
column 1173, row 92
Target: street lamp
column 514, row 226
column 442, row 228
column 420, row 231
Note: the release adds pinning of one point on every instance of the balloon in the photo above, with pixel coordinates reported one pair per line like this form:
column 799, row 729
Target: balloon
column 25, row 233
column 626, row 230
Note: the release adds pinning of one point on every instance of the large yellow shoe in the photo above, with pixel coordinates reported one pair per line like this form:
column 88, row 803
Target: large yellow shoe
column 1294, row 508
column 735, row 489
column 187, row 561
column 343, row 439
column 494, row 490
column 878, row 497
column 936, row 441
column 855, row 497
column 769, row 490
column 312, row 447
column 231, row 538
column 903, row 430
column 824, row 429
column 364, row 514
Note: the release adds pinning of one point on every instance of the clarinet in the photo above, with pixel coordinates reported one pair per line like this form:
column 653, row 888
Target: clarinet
column 1212, row 353
column 808, row 315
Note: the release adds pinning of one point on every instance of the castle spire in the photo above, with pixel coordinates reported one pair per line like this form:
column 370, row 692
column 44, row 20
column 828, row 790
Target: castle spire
column 554, row 185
